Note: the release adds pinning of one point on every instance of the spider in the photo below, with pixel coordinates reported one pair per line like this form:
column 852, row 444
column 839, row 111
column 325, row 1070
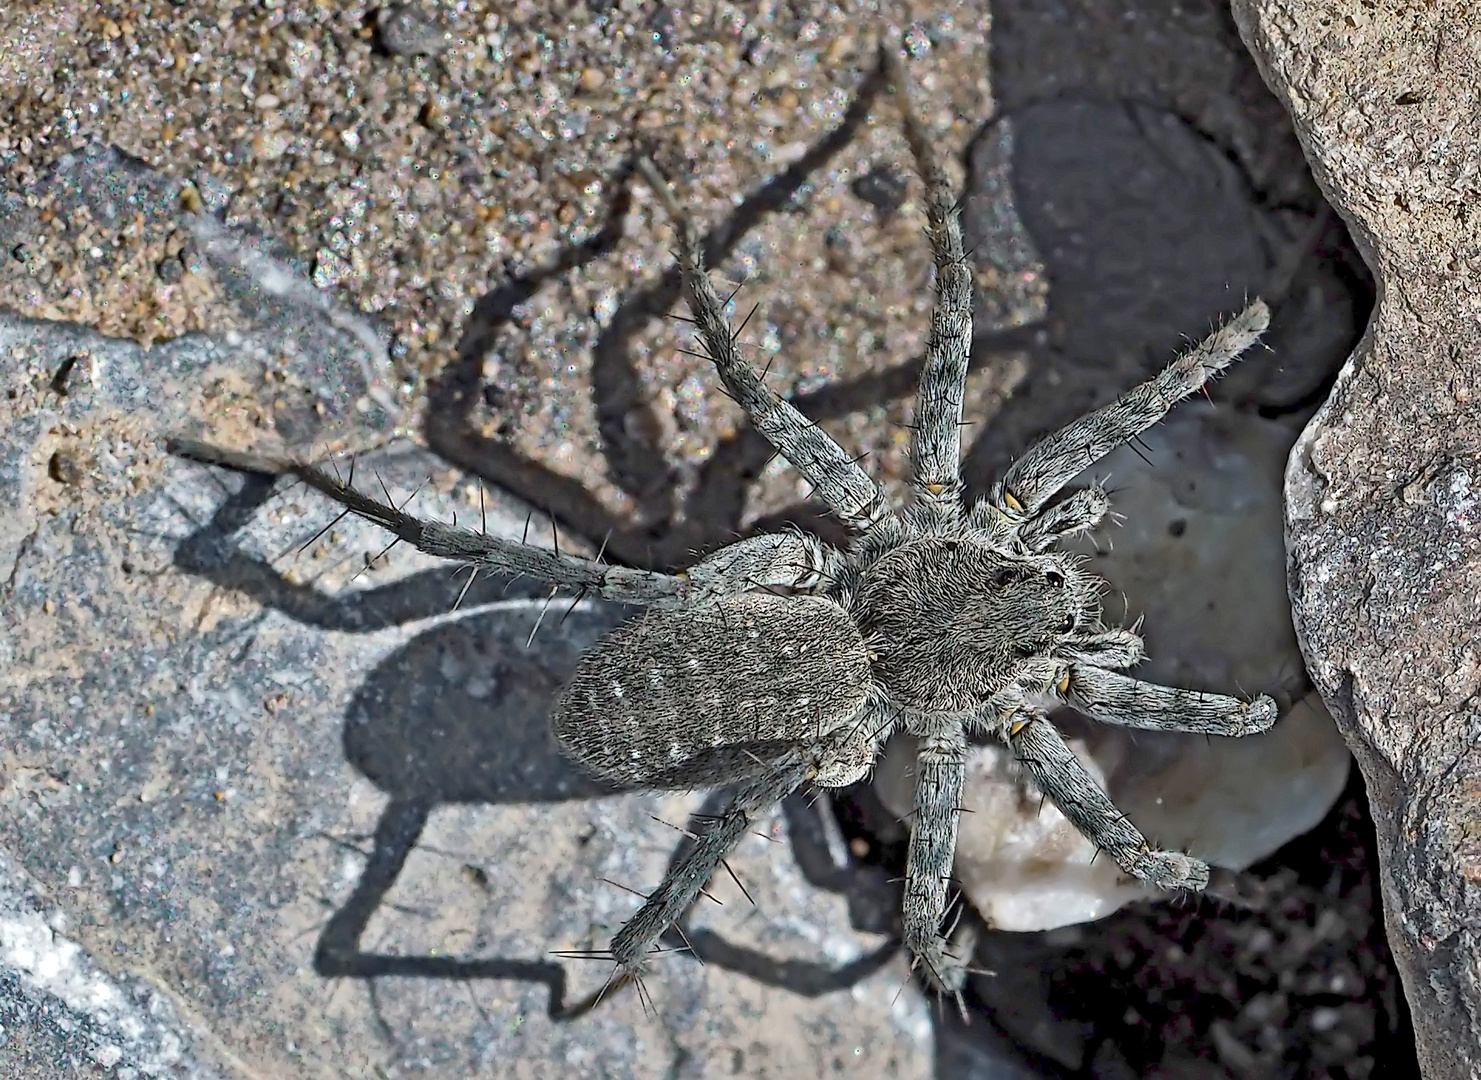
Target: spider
column 780, row 660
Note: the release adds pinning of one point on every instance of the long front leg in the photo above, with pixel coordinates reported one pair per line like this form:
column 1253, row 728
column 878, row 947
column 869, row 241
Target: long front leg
column 936, row 440
column 1049, row 464
column 836, row 477
column 941, row 769
column 1061, row 777
column 1126, row 702
column 493, row 554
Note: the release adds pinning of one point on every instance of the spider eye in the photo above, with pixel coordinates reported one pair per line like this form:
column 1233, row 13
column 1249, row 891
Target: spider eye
column 1001, row 579
column 1055, row 578
column 1068, row 624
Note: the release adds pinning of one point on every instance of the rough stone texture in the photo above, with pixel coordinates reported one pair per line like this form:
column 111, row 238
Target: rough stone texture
column 459, row 173
column 236, row 763
column 1383, row 513
column 62, row 1017
column 289, row 367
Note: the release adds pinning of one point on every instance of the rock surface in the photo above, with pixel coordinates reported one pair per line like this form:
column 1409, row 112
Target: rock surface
column 288, row 366
column 284, row 795
column 1382, row 509
column 63, row 1017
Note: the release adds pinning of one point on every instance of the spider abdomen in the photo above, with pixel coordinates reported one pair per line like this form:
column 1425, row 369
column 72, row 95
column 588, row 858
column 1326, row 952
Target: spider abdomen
column 704, row 696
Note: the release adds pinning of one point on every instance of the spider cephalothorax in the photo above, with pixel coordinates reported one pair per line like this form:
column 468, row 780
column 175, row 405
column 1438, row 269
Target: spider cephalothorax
column 950, row 621
column 780, row 660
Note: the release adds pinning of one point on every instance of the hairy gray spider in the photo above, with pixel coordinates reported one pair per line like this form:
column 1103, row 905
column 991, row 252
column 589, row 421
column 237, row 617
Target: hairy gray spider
column 780, row 660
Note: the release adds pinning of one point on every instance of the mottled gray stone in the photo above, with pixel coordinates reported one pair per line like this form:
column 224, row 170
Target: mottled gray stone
column 61, row 1016
column 1383, row 517
column 404, row 31
column 326, row 815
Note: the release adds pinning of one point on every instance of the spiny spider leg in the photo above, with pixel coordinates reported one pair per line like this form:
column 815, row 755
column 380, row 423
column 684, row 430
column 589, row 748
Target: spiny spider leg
column 790, row 559
column 856, row 747
column 1118, row 648
column 941, row 769
column 936, row 439
column 666, row 905
column 1049, row 464
column 1060, row 776
column 1126, row 702
column 1078, row 513
column 834, row 474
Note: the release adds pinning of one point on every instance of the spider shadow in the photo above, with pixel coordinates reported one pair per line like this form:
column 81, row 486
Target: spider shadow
column 660, row 533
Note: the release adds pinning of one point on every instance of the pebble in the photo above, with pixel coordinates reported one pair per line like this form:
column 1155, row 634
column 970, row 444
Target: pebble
column 402, row 31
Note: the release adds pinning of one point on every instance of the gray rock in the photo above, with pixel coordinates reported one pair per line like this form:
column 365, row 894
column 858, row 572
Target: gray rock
column 403, row 31
column 1383, row 517
column 324, row 814
column 61, row 1016
column 264, row 786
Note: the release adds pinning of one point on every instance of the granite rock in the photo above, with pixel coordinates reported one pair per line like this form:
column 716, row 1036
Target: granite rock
column 62, row 1016
column 1384, row 531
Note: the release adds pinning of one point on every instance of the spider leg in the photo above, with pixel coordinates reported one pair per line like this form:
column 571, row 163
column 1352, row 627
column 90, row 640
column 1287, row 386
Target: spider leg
column 493, row 553
column 1060, row 776
column 936, row 439
column 789, row 560
column 1077, row 514
column 1119, row 648
column 856, row 747
column 1049, row 464
column 668, row 903
column 835, row 476
column 1127, row 702
column 941, row 770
